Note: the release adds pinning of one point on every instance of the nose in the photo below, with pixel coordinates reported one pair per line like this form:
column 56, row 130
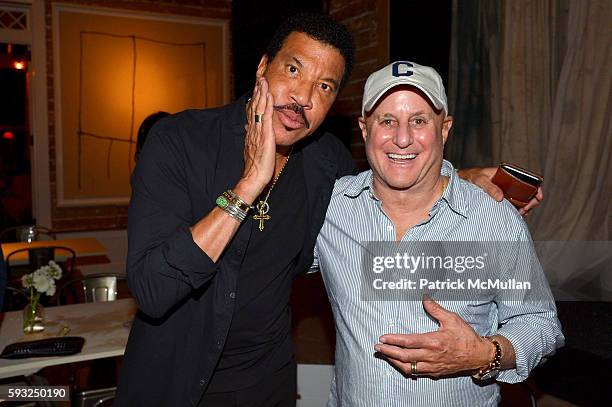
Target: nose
column 403, row 137
column 302, row 94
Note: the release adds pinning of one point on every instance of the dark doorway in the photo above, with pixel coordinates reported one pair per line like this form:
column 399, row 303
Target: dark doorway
column 15, row 142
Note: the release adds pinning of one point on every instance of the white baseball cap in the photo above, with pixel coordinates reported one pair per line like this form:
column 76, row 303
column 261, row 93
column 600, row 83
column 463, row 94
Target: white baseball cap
column 404, row 73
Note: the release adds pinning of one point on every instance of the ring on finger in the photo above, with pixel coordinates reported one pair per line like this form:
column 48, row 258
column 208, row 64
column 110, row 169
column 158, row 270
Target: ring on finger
column 413, row 368
column 258, row 118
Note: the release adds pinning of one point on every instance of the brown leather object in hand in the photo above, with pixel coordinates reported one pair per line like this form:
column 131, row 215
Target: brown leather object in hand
column 519, row 185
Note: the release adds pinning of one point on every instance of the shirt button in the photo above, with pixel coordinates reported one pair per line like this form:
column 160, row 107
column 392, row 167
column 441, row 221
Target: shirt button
column 239, row 251
column 219, row 344
column 389, row 227
column 202, row 382
column 232, row 295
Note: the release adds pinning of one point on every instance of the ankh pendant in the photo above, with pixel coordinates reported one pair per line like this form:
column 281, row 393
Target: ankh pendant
column 262, row 210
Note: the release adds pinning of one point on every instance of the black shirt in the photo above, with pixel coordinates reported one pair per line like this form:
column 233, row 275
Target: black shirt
column 259, row 341
column 186, row 301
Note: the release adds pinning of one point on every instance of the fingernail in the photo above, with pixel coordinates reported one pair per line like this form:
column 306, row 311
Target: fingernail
column 377, row 348
column 382, row 339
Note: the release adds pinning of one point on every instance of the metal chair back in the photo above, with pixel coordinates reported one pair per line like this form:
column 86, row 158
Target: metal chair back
column 96, row 398
column 92, row 288
column 26, row 233
column 38, row 257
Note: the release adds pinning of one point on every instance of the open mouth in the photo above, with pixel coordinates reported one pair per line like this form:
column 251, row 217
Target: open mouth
column 401, row 158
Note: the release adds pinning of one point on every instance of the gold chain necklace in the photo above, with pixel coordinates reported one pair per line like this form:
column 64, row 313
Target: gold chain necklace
column 262, row 206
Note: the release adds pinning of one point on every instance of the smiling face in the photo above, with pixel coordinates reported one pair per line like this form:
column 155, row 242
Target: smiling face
column 303, row 78
column 404, row 140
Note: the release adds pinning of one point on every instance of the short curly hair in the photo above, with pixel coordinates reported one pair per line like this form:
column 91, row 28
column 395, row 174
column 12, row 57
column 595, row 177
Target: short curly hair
column 322, row 28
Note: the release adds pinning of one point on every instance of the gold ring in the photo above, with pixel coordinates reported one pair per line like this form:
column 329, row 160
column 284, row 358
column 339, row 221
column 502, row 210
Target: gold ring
column 258, row 118
column 413, row 368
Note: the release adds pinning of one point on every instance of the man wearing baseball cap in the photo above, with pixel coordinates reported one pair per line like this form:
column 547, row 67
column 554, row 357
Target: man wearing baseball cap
column 396, row 346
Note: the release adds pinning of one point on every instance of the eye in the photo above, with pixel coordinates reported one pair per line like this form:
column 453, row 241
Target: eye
column 325, row 87
column 387, row 122
column 419, row 122
column 292, row 69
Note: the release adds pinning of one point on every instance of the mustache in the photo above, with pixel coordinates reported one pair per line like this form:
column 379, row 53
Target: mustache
column 296, row 108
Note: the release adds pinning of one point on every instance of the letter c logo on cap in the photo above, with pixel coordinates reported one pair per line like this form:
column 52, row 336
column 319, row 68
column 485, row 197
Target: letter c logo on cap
column 401, row 68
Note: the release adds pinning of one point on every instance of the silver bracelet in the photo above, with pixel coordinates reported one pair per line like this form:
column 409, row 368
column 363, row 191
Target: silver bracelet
column 236, row 213
column 235, row 210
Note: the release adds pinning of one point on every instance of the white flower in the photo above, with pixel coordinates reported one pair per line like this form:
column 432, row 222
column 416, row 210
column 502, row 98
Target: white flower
column 43, row 278
column 54, row 271
column 41, row 281
column 26, row 280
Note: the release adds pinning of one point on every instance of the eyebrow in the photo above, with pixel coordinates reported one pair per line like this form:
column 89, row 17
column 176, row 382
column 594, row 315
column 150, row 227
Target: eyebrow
column 297, row 61
column 392, row 116
column 331, row 80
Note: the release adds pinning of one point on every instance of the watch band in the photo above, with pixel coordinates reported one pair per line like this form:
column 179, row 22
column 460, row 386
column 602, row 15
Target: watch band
column 494, row 365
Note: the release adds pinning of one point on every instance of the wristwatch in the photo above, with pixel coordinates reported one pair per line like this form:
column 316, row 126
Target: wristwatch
column 492, row 370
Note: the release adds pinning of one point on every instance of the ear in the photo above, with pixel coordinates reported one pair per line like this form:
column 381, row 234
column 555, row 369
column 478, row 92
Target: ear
column 447, row 123
column 363, row 127
column 261, row 68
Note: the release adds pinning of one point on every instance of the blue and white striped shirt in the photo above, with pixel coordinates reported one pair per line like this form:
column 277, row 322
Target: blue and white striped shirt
column 463, row 213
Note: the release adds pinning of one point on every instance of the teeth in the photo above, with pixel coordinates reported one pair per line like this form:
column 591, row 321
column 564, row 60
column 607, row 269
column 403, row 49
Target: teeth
column 401, row 156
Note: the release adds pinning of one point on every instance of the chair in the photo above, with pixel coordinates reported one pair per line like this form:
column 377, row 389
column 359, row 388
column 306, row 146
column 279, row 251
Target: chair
column 96, row 398
column 15, row 299
column 26, row 233
column 91, row 288
column 38, row 257
column 588, row 347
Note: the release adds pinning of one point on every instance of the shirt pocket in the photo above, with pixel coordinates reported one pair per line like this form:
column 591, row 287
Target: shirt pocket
column 479, row 314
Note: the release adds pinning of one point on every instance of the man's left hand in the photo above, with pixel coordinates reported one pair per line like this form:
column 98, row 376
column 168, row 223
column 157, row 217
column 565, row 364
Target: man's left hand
column 454, row 348
column 482, row 177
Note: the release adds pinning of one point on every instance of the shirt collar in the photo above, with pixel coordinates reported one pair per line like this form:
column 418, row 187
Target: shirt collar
column 453, row 194
column 360, row 183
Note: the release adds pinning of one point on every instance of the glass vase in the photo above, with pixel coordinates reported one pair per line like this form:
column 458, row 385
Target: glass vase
column 33, row 318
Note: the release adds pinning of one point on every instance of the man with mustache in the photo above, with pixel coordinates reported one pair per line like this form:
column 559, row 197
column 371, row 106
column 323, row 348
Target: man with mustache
column 226, row 206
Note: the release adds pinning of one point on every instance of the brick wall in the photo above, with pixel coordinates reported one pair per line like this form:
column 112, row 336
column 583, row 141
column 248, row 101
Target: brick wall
column 112, row 216
column 367, row 20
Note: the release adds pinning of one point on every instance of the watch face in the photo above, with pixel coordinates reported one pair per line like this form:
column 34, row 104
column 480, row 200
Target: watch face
column 491, row 374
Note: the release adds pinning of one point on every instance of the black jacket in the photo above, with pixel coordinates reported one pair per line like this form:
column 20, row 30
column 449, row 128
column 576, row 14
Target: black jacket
column 185, row 299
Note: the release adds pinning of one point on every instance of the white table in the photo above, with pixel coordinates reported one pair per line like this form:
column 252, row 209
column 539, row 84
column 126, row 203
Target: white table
column 104, row 325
